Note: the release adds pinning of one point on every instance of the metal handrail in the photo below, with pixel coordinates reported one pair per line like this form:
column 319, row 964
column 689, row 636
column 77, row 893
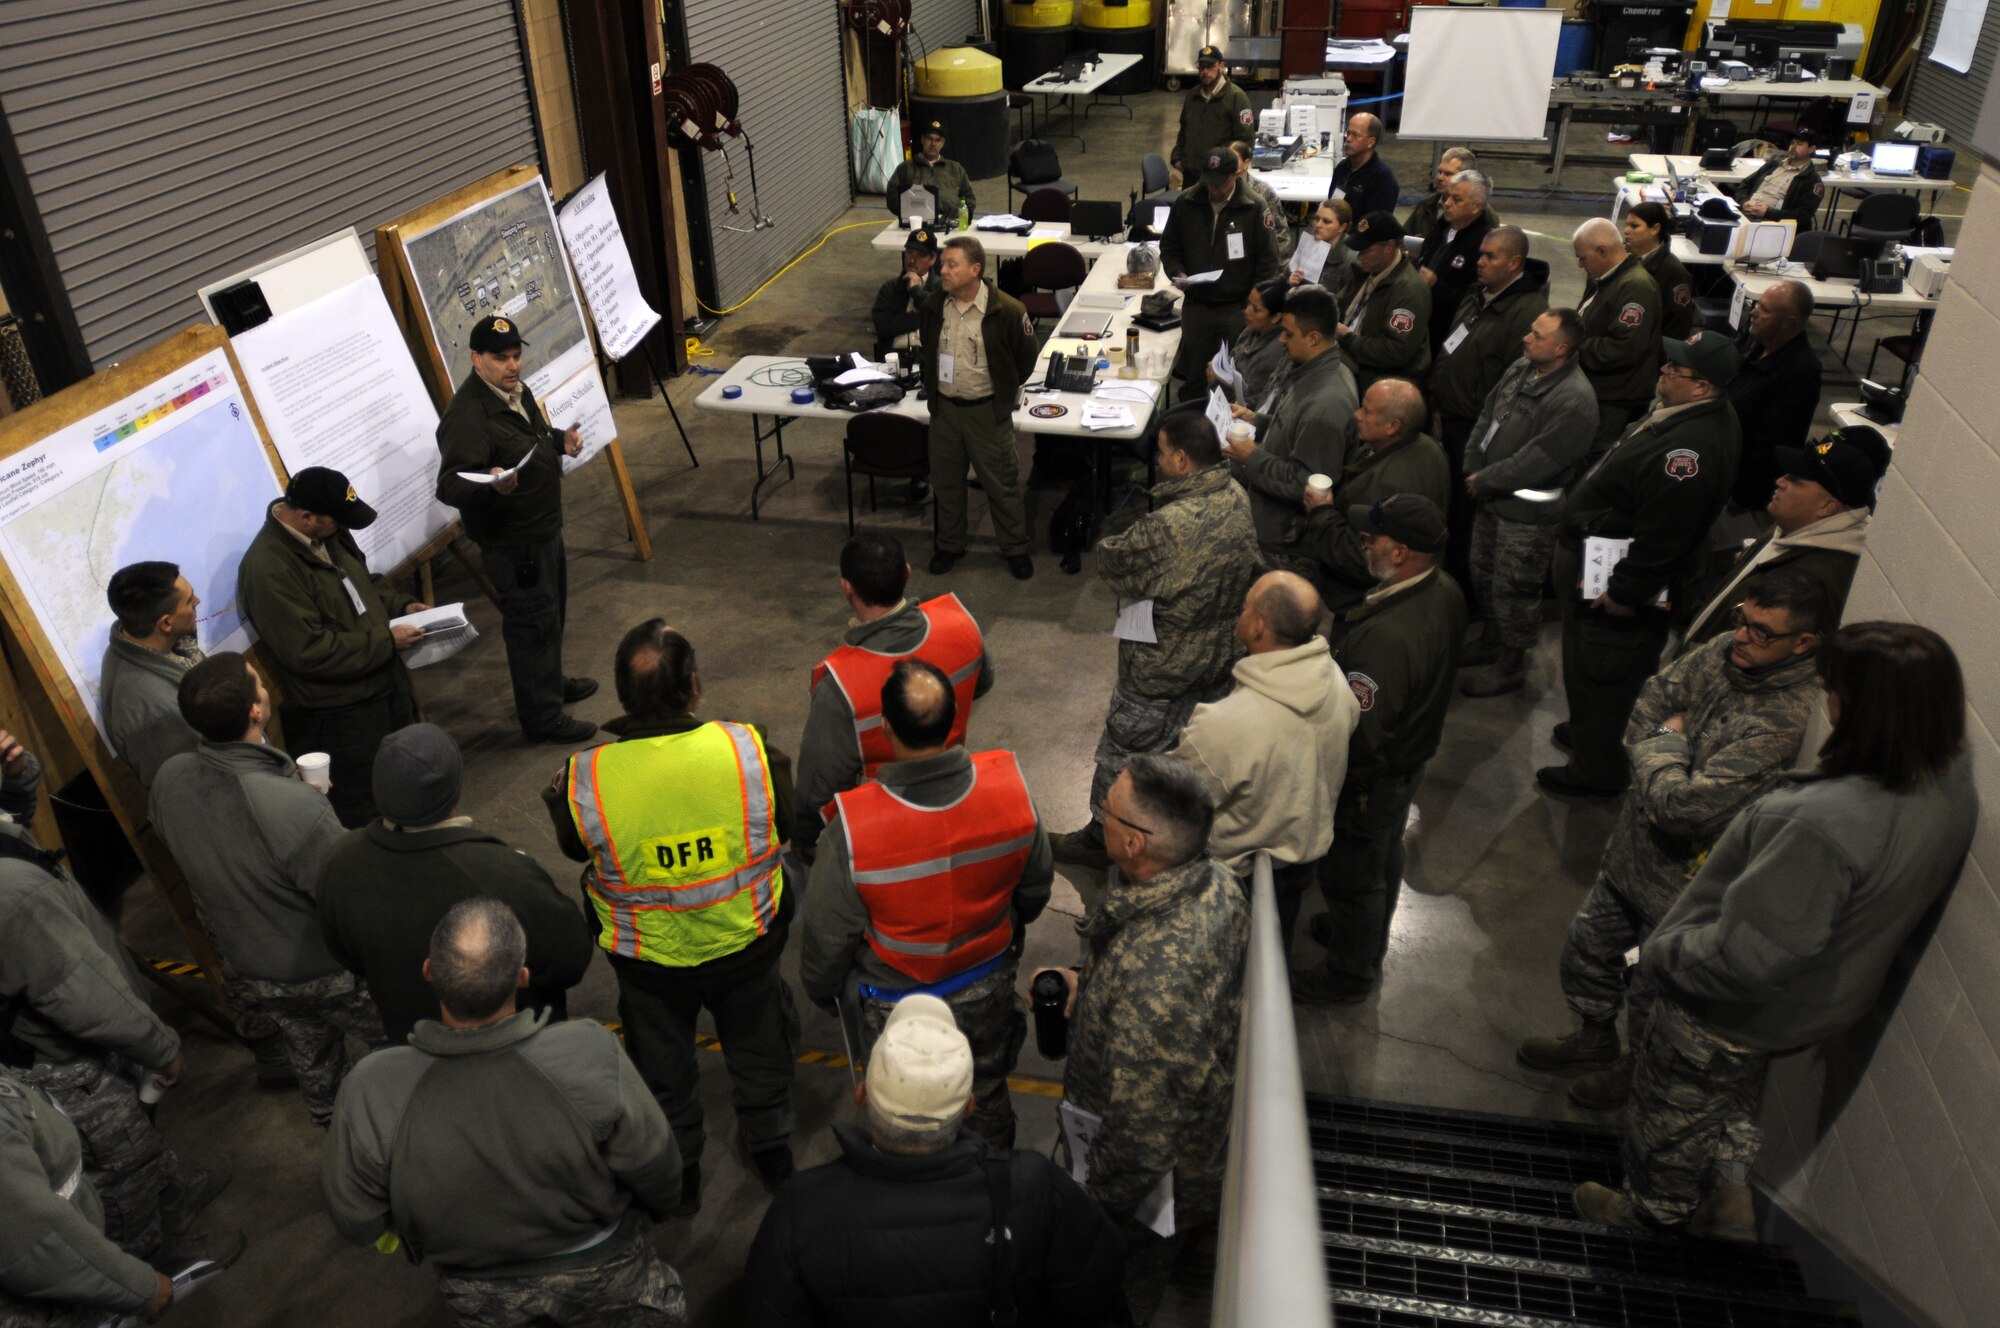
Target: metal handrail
column 1270, row 1266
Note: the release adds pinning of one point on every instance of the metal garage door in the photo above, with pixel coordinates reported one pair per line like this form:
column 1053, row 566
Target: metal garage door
column 1945, row 96
column 170, row 143
column 941, row 23
column 784, row 57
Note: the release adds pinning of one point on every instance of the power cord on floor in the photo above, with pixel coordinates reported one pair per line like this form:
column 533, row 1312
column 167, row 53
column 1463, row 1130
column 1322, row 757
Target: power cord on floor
column 851, row 226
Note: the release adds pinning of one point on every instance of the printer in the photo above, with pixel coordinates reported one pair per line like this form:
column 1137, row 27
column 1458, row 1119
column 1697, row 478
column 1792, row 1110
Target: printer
column 1769, row 42
column 1928, row 271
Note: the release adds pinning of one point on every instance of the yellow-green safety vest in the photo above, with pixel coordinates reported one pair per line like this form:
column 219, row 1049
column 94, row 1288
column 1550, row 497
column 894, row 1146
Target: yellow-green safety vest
column 683, row 841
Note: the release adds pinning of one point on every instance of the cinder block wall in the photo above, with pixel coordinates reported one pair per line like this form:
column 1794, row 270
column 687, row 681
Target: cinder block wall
column 1888, row 1145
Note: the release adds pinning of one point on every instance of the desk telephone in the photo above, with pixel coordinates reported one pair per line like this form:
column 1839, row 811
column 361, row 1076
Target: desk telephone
column 1070, row 373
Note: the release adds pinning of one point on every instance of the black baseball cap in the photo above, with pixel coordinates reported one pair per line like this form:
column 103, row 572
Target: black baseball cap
column 932, row 127
column 1219, row 166
column 1808, row 135
column 1847, row 463
column 325, row 492
column 1375, row 228
column 1209, row 55
column 1709, row 354
column 922, row 240
column 1410, row 519
column 493, row 334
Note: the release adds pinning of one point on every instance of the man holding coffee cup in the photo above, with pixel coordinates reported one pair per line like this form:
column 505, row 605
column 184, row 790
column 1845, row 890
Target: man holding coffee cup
column 253, row 838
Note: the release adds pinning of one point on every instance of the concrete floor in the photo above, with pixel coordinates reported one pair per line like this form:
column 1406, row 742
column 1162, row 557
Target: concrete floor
column 1494, row 872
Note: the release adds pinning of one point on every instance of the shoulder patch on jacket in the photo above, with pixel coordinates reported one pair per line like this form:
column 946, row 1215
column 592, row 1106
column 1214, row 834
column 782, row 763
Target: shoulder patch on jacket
column 1683, row 464
column 1682, row 295
column 1402, row 320
column 1243, row 116
column 1363, row 688
column 1028, row 325
column 1632, row 315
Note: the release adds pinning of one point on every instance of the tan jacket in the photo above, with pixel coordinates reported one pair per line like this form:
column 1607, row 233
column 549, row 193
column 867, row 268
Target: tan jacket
column 1274, row 754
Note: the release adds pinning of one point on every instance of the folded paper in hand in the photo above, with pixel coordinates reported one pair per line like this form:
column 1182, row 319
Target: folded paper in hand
column 1079, row 1129
column 446, row 631
column 483, row 477
column 1601, row 556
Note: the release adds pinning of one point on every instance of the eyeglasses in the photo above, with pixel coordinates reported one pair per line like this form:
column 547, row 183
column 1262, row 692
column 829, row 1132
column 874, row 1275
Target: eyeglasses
column 1104, row 810
column 1680, row 371
column 1759, row 634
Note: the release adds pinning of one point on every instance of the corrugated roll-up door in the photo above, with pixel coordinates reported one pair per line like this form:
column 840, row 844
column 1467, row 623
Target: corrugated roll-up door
column 784, row 57
column 172, row 142
column 1945, row 96
column 942, row 23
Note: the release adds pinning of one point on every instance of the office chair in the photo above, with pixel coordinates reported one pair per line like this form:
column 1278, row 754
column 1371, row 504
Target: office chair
column 1886, row 217
column 883, row 445
column 1154, row 174
column 1046, row 205
column 1047, row 269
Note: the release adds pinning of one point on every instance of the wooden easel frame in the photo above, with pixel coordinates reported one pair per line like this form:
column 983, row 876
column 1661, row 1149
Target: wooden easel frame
column 399, row 284
column 41, row 691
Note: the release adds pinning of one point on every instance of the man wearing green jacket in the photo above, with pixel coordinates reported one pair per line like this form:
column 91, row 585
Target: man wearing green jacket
column 1386, row 306
column 950, row 186
column 1214, row 226
column 525, row 1160
column 1621, row 326
column 1393, row 455
column 493, row 426
column 324, row 623
column 1215, row 114
column 978, row 348
column 152, row 645
column 1400, row 653
column 252, row 837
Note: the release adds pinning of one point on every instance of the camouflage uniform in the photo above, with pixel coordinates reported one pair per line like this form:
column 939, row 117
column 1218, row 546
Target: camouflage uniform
column 1693, row 1114
column 1194, row 555
column 125, row 1159
column 1742, row 733
column 1152, row 1050
column 994, row 1021
column 632, row 1289
column 313, row 1019
column 1510, row 561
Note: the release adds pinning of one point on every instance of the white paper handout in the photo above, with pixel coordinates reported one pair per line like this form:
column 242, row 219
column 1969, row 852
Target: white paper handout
column 446, row 631
column 1079, row 1129
column 1202, row 278
column 1000, row 221
column 1601, row 556
column 581, row 401
column 1135, row 622
column 1227, row 375
column 603, row 264
column 1100, row 415
column 1309, row 258
column 486, row 477
column 1218, row 412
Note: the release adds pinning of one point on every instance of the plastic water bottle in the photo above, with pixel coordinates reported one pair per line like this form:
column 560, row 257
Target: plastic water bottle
column 964, row 215
column 1050, row 992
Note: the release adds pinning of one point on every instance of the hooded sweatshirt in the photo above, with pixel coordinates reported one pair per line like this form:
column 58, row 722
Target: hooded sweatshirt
column 1829, row 549
column 1274, row 754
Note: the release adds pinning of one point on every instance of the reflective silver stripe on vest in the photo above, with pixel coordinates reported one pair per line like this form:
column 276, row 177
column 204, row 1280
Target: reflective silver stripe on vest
column 966, row 672
column 687, row 897
column 624, row 923
column 872, row 722
column 939, row 866
column 936, row 947
column 756, row 800
column 68, row 1187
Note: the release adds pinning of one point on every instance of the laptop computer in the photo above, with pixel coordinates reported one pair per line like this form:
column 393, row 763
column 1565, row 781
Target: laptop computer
column 1096, row 220
column 1893, row 158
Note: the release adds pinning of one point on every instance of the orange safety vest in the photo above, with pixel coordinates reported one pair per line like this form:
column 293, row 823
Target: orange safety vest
column 938, row 882
column 951, row 641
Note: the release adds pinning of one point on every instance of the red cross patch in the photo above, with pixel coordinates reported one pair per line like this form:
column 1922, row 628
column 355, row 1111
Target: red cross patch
column 1682, row 295
column 1363, row 688
column 1402, row 320
column 1683, row 464
column 1243, row 116
column 1632, row 315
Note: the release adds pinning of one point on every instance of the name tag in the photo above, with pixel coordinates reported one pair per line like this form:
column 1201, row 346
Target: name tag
column 1340, row 193
column 1457, row 338
column 1235, row 244
column 945, row 365
column 354, row 596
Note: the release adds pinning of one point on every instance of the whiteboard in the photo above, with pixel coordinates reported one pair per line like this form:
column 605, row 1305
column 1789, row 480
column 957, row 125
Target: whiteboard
column 297, row 278
column 1479, row 73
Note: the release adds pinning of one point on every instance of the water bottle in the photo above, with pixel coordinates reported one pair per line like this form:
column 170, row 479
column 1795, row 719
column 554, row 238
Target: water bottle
column 1049, row 994
column 964, row 215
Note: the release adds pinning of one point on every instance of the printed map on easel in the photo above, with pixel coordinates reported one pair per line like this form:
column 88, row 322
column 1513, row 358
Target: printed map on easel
column 175, row 472
column 503, row 255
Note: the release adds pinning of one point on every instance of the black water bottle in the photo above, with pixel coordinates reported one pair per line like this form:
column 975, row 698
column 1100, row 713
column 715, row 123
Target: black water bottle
column 1050, row 993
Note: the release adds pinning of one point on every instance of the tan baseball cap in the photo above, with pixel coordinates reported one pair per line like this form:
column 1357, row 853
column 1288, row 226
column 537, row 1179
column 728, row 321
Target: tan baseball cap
column 920, row 1072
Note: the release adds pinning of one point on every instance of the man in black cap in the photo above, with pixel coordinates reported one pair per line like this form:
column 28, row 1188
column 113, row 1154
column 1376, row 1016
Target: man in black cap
column 1214, row 226
column 898, row 299
column 1385, row 323
column 494, row 427
column 1399, row 649
column 1825, row 497
column 1215, row 114
column 324, row 622
column 1777, row 393
column 1653, row 496
column 384, row 888
column 1361, row 177
column 950, row 186
column 1787, row 188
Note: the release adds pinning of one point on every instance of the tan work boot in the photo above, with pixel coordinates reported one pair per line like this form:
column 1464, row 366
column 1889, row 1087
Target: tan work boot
column 1726, row 1213
column 1606, row 1206
column 1507, row 672
column 1591, row 1047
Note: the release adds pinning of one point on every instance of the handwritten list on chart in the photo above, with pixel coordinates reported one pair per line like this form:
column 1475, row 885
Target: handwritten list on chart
column 604, row 269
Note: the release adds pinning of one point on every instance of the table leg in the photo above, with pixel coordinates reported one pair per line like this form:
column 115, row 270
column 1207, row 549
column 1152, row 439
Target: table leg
column 1562, row 144
column 1116, row 99
column 757, row 437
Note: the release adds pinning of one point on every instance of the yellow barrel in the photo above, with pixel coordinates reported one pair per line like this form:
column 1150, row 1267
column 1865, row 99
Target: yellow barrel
column 1038, row 13
column 1098, row 14
column 957, row 71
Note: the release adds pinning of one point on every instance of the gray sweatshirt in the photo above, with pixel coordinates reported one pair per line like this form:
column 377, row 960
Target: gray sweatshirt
column 1786, row 935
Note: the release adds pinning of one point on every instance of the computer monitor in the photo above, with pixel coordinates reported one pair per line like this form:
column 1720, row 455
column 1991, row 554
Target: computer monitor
column 1095, row 220
column 1893, row 158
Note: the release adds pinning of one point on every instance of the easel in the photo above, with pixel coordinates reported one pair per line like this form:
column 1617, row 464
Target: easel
column 400, row 285
column 604, row 363
column 39, row 701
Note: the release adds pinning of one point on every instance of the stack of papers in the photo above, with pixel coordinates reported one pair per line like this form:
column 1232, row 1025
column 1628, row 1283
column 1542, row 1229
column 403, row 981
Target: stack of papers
column 1001, row 221
column 1227, row 376
column 446, row 631
column 1106, row 415
column 1309, row 257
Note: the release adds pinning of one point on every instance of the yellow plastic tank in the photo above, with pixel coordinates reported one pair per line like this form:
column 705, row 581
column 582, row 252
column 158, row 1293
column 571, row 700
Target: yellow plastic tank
column 957, row 71
column 1038, row 13
column 1100, row 15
